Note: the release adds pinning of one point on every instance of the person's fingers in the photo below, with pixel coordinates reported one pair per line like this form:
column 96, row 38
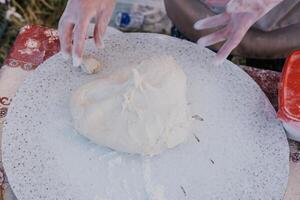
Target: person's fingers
column 236, row 36
column 228, row 46
column 238, row 28
column 213, row 38
column 100, row 28
column 65, row 31
column 211, row 22
column 97, row 31
column 79, row 40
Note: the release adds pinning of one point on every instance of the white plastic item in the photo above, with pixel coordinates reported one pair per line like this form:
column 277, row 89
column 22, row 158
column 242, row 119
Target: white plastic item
column 129, row 20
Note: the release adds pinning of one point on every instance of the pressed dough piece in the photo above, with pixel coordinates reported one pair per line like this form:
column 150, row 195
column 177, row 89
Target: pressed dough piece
column 90, row 65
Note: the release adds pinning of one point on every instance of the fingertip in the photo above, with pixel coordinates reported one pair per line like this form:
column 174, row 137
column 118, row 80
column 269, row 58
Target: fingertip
column 217, row 61
column 99, row 43
column 212, row 21
column 76, row 60
column 77, row 53
column 80, row 34
column 201, row 42
column 220, row 57
column 197, row 25
column 65, row 30
column 65, row 55
column 227, row 48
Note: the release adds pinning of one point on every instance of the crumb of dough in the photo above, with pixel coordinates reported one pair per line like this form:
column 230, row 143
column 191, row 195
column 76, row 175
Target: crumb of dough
column 90, row 64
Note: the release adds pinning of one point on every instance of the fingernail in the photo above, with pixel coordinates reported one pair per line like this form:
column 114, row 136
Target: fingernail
column 65, row 55
column 76, row 61
column 198, row 25
column 201, row 43
column 217, row 61
column 195, row 26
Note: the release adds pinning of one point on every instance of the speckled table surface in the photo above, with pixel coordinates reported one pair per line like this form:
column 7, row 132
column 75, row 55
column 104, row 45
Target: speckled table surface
column 35, row 44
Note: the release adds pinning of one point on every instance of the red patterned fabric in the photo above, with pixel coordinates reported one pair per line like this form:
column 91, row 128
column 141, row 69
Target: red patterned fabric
column 33, row 45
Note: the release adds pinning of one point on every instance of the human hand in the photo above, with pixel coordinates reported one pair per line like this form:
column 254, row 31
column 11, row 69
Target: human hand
column 235, row 21
column 74, row 23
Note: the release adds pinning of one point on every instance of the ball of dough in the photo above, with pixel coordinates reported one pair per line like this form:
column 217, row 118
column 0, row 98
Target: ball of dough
column 90, row 65
column 142, row 109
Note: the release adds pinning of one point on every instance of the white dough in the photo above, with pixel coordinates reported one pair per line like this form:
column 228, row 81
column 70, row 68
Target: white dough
column 141, row 109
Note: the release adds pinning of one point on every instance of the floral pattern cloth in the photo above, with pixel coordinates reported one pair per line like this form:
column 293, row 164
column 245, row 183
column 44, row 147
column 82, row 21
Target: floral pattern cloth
column 35, row 44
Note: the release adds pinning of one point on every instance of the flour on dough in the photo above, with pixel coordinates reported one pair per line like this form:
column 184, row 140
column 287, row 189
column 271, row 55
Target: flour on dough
column 140, row 109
